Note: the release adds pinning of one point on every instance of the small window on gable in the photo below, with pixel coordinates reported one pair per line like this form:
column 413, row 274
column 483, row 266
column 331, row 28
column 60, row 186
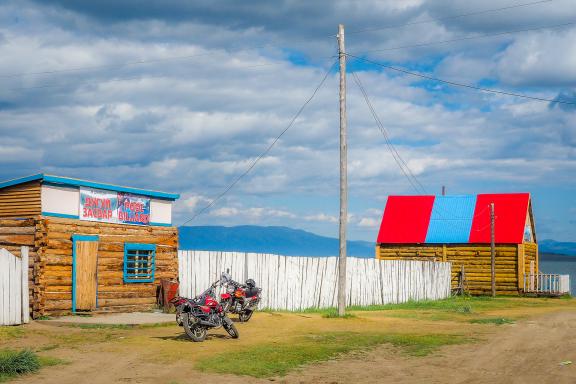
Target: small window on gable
column 139, row 263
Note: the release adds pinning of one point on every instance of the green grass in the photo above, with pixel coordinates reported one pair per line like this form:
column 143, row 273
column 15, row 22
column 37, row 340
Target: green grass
column 457, row 304
column 333, row 314
column 11, row 332
column 14, row 363
column 492, row 320
column 278, row 359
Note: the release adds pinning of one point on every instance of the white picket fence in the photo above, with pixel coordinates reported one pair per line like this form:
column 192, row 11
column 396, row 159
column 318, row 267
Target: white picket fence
column 14, row 299
column 296, row 283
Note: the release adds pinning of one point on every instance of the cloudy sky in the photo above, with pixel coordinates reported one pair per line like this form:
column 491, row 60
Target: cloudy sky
column 182, row 96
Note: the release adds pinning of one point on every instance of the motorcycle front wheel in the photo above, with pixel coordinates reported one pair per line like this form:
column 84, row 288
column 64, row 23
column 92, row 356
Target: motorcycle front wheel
column 245, row 315
column 179, row 317
column 194, row 331
column 230, row 328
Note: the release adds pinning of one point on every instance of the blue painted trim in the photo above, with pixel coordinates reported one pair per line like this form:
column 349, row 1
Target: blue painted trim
column 58, row 180
column 85, row 237
column 139, row 277
column 21, row 180
column 110, row 187
column 76, row 238
column 161, row 224
column 60, row 215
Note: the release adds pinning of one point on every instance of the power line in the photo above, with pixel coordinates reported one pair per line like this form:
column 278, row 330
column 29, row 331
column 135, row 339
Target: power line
column 268, row 45
column 450, row 17
column 418, row 187
column 255, row 161
column 471, row 37
column 140, row 62
column 456, row 84
column 122, row 79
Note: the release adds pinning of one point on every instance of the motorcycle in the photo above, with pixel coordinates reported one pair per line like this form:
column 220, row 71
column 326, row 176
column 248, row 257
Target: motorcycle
column 201, row 313
column 241, row 299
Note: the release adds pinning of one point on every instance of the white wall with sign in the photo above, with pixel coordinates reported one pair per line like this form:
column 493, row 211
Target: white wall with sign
column 65, row 201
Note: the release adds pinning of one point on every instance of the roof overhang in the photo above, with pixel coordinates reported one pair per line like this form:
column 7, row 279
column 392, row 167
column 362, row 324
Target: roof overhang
column 72, row 182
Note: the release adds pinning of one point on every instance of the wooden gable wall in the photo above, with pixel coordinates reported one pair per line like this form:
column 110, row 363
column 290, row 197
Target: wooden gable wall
column 23, row 200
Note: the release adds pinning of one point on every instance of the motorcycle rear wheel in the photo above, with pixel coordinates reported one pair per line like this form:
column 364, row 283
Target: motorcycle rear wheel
column 245, row 315
column 194, row 331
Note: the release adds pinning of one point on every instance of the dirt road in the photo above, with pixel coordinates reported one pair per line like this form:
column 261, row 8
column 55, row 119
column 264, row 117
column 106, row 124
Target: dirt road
column 529, row 351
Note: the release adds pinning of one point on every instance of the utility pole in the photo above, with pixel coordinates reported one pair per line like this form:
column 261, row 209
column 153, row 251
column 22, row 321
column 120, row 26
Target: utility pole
column 343, row 176
column 492, row 250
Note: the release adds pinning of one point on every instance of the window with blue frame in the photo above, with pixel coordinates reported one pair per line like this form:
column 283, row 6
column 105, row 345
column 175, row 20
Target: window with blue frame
column 139, row 262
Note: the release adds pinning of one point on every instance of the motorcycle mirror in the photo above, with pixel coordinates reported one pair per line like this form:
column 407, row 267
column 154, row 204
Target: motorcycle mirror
column 227, row 270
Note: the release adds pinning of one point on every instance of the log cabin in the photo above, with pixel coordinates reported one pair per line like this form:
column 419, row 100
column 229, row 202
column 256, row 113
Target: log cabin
column 458, row 229
column 92, row 246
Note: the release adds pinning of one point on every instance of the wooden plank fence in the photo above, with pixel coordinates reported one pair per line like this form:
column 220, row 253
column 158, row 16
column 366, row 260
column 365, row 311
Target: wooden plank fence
column 14, row 295
column 296, row 283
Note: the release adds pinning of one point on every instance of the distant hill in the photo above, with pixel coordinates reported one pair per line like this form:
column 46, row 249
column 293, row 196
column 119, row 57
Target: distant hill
column 558, row 247
column 278, row 240
column 296, row 242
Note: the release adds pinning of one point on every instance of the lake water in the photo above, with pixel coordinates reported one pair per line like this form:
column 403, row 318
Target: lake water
column 562, row 268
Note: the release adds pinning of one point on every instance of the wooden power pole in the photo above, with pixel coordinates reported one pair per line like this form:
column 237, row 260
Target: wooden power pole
column 492, row 250
column 343, row 177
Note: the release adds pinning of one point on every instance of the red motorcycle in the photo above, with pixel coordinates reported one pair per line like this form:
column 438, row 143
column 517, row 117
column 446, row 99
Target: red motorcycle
column 201, row 313
column 241, row 299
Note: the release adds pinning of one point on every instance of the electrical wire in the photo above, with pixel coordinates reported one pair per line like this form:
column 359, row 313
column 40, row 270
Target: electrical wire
column 255, row 161
column 402, row 163
column 419, row 45
column 462, row 85
column 121, row 79
column 414, row 182
column 449, row 17
column 239, row 48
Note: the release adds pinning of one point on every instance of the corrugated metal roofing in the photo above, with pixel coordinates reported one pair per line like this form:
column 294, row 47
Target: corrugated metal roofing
column 451, row 219
column 454, row 219
column 406, row 219
column 510, row 210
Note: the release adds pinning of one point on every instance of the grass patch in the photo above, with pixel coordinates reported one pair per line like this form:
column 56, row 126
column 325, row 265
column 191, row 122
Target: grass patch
column 11, row 332
column 492, row 320
column 15, row 363
column 278, row 359
column 457, row 304
column 333, row 314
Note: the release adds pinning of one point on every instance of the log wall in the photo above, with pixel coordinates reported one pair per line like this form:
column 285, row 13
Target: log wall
column 50, row 261
column 21, row 200
column 475, row 258
column 55, row 242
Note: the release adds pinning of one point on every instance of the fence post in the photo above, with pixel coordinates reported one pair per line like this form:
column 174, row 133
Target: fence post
column 25, row 292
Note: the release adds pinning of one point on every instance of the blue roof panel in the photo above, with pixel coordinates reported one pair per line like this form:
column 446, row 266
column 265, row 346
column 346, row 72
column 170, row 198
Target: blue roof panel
column 451, row 219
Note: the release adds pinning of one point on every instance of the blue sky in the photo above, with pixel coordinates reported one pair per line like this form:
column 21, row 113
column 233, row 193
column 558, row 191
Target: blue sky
column 181, row 97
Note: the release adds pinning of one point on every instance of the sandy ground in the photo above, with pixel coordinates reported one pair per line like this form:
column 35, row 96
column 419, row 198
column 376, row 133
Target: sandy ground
column 133, row 318
column 528, row 351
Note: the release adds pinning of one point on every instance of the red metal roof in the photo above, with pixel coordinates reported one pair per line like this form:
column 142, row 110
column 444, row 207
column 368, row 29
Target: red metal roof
column 510, row 210
column 407, row 219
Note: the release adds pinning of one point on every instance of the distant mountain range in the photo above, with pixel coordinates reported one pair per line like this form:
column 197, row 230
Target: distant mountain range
column 558, row 247
column 278, row 240
column 296, row 242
